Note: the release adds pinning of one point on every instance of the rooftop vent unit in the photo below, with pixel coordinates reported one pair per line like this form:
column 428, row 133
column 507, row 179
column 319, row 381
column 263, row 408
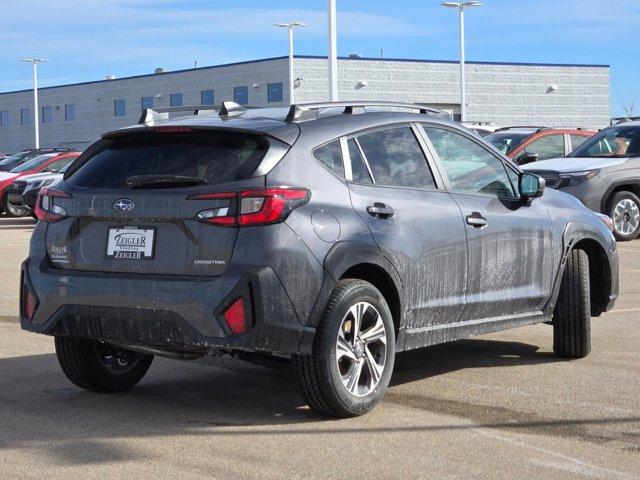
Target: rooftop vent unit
column 111, row 77
column 160, row 70
column 355, row 55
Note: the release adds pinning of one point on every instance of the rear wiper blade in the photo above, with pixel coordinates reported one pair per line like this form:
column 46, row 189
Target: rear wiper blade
column 162, row 181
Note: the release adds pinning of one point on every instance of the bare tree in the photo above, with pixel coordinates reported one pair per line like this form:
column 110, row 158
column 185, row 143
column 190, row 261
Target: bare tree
column 628, row 102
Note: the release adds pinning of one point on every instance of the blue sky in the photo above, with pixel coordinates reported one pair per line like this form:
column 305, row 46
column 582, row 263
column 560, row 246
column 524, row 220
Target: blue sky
column 87, row 39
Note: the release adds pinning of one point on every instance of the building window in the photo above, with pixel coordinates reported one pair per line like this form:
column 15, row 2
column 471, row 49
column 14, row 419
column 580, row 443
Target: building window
column 24, row 116
column 274, row 92
column 207, row 97
column 241, row 95
column 4, row 118
column 176, row 100
column 147, row 102
column 47, row 114
column 119, row 107
column 70, row 112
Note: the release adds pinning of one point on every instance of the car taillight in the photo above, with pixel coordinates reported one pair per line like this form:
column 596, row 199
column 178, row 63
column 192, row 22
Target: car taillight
column 46, row 209
column 235, row 318
column 252, row 207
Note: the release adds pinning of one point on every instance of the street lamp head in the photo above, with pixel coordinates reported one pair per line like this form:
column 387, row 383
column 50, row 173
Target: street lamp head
column 34, row 60
column 290, row 25
column 472, row 3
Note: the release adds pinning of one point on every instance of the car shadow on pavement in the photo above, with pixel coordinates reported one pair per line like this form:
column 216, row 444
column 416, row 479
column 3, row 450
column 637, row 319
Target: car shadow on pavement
column 41, row 410
column 473, row 353
column 180, row 395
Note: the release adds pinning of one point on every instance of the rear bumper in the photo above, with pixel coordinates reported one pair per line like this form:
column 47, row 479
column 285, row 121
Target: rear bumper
column 174, row 314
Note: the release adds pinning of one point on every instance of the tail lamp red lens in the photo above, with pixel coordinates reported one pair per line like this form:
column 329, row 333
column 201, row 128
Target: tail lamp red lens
column 235, row 317
column 252, row 207
column 46, row 209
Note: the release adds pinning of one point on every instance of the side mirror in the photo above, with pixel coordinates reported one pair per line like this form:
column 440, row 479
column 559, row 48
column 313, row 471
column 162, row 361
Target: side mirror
column 530, row 186
column 527, row 158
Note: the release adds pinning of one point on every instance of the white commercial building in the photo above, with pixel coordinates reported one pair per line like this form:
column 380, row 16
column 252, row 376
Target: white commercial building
column 503, row 93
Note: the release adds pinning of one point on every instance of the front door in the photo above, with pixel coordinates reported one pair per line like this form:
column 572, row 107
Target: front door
column 510, row 255
column 418, row 227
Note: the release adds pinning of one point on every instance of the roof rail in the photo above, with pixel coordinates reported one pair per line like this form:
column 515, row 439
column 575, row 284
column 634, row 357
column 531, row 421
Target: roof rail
column 225, row 111
column 309, row 111
column 618, row 120
column 513, row 127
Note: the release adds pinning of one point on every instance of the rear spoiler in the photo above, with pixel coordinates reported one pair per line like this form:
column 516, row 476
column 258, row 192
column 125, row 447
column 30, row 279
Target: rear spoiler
column 225, row 111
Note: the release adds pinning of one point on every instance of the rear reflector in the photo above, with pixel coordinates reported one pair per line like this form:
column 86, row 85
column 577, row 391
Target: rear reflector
column 28, row 300
column 253, row 207
column 234, row 316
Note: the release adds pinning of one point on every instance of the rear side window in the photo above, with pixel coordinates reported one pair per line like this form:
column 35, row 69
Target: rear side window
column 330, row 155
column 577, row 140
column 395, row 158
column 215, row 157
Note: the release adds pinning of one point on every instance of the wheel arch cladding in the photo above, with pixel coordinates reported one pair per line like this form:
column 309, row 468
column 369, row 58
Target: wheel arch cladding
column 379, row 278
column 599, row 274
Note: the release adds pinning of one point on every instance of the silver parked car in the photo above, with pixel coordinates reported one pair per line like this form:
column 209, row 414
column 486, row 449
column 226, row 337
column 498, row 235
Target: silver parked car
column 604, row 173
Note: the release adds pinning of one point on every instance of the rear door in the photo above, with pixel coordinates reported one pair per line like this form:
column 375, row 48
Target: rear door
column 417, row 226
column 150, row 226
column 510, row 252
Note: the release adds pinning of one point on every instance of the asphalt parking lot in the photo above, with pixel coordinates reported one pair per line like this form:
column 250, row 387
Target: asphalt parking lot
column 497, row 406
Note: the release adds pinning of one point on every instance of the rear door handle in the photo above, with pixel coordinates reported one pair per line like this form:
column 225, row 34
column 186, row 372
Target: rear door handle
column 380, row 210
column 476, row 220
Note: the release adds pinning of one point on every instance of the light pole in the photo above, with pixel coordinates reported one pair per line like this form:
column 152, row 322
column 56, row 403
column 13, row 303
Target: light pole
column 463, row 92
column 35, row 62
column 290, row 27
column 333, row 51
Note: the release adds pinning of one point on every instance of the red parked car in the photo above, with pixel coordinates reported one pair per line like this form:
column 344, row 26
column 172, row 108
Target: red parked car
column 50, row 162
column 530, row 144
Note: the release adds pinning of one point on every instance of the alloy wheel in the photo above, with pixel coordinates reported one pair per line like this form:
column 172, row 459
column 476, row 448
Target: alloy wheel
column 626, row 216
column 361, row 349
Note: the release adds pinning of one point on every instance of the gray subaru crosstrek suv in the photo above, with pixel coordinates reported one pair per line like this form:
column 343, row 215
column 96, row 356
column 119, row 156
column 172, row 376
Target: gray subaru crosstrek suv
column 330, row 238
column 604, row 173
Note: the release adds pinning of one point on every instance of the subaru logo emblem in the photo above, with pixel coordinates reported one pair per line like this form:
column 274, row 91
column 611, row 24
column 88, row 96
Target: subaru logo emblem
column 124, row 205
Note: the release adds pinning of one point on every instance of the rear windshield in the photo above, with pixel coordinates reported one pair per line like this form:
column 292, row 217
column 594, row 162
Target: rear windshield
column 15, row 158
column 506, row 142
column 33, row 163
column 213, row 156
column 617, row 141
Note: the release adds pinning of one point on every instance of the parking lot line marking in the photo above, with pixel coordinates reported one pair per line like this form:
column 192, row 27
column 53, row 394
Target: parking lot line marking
column 582, row 467
column 624, row 310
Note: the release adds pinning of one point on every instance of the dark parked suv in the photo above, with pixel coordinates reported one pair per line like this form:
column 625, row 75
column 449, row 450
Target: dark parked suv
column 331, row 238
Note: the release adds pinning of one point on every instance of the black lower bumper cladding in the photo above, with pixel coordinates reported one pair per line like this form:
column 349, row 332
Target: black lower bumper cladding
column 273, row 327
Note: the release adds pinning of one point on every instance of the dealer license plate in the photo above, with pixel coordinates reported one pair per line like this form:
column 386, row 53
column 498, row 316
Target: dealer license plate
column 131, row 243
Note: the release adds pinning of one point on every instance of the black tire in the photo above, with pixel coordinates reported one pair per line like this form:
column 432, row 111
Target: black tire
column 613, row 203
column 572, row 314
column 12, row 211
column 318, row 375
column 82, row 361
